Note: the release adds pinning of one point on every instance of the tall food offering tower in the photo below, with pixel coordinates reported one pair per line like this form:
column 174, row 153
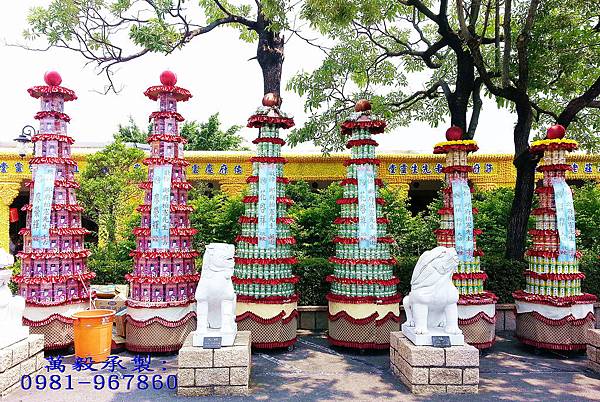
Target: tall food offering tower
column 54, row 278
column 552, row 311
column 363, row 301
column 263, row 279
column 476, row 306
column 161, row 309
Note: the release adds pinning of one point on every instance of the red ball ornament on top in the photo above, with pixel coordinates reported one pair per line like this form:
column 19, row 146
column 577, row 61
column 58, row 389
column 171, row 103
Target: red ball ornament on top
column 454, row 133
column 168, row 78
column 555, row 132
column 52, row 78
column 271, row 99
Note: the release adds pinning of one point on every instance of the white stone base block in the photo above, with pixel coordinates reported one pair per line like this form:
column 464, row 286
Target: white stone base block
column 425, row 339
column 225, row 371
column 11, row 335
column 430, row 370
column 21, row 358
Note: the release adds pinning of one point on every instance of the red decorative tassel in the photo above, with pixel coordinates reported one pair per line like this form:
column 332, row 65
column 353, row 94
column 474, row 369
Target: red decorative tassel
column 48, row 320
column 266, row 261
column 278, row 141
column 254, row 179
column 354, row 261
column 260, row 120
column 332, row 297
column 443, row 149
column 28, row 280
column 553, row 277
column 164, row 254
column 174, row 231
column 354, row 240
column 37, row 91
column 566, row 301
column 382, row 282
column 459, row 169
column 163, row 279
column 268, row 300
column 52, row 113
column 52, row 137
column 166, row 115
column 365, row 141
column 469, row 275
column 54, row 254
column 553, row 146
column 52, row 160
column 552, row 346
column 166, row 137
column 478, row 299
column 262, row 281
column 374, row 126
column 248, row 315
column 181, row 94
column 479, row 316
column 59, row 231
column 555, row 167
column 159, row 305
column 347, row 181
column 353, row 220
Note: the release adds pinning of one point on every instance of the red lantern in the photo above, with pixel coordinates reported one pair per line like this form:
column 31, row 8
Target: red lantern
column 454, row 133
column 14, row 215
column 555, row 132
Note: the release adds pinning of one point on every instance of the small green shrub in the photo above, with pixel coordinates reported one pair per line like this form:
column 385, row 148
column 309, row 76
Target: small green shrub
column 110, row 262
column 590, row 266
column 312, row 286
column 504, row 276
column 403, row 270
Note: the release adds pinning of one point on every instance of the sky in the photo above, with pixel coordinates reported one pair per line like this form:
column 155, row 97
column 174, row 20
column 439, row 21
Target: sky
column 222, row 81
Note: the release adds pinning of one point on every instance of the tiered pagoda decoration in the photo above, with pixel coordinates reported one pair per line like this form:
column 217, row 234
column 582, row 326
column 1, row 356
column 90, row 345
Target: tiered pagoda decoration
column 54, row 278
column 161, row 310
column 263, row 280
column 552, row 312
column 476, row 306
column 363, row 301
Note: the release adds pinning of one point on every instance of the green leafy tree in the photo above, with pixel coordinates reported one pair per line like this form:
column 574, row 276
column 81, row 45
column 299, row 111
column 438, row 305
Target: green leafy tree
column 549, row 70
column 109, row 191
column 586, row 201
column 215, row 217
column 131, row 133
column 210, row 137
column 314, row 214
column 110, row 32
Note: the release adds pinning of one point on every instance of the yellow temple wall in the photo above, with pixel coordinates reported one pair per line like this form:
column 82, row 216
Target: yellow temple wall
column 229, row 171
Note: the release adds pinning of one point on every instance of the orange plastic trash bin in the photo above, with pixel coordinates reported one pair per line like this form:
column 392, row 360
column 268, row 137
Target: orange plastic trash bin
column 93, row 333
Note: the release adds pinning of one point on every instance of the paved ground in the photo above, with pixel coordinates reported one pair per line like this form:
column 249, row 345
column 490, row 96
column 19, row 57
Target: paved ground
column 314, row 371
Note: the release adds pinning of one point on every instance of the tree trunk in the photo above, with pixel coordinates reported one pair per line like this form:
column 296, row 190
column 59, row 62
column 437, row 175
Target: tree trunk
column 269, row 54
column 525, row 164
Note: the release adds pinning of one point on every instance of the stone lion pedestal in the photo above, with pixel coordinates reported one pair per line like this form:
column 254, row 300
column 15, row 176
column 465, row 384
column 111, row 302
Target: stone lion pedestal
column 434, row 370
column 429, row 355
column 224, row 371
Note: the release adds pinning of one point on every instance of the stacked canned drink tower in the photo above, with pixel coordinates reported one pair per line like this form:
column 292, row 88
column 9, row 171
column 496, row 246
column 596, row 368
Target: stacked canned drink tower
column 552, row 311
column 263, row 279
column 161, row 309
column 476, row 306
column 363, row 302
column 54, row 278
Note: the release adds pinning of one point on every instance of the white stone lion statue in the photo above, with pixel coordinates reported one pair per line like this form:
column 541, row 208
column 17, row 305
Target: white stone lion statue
column 215, row 296
column 11, row 307
column 431, row 304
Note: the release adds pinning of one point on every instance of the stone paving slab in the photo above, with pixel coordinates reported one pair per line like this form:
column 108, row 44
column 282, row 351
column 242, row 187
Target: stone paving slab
column 317, row 372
